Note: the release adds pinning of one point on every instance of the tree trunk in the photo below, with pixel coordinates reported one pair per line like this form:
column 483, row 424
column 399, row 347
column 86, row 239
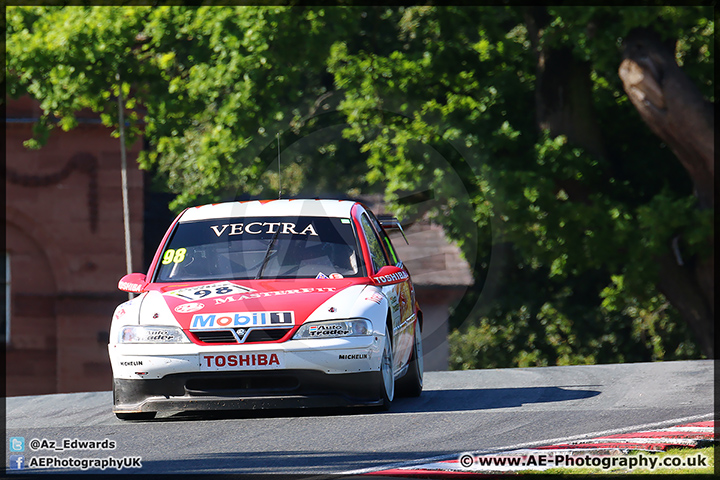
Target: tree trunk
column 563, row 98
column 679, row 285
column 676, row 111
column 672, row 107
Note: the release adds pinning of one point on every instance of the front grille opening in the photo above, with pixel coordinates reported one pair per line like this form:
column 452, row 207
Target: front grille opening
column 215, row 336
column 241, row 384
column 253, row 336
column 267, row 335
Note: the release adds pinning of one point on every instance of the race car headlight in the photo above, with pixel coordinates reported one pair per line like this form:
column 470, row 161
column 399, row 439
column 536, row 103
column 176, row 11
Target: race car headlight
column 152, row 334
column 333, row 329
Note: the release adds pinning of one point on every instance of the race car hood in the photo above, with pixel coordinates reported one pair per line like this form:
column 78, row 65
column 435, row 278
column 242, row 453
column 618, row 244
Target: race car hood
column 228, row 304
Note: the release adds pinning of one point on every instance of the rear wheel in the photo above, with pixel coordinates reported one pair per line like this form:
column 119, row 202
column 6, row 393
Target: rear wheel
column 411, row 384
column 387, row 388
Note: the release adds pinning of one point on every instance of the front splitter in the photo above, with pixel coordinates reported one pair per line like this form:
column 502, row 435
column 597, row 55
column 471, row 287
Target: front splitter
column 247, row 391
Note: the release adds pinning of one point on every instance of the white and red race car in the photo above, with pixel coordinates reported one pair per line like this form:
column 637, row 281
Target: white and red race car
column 268, row 304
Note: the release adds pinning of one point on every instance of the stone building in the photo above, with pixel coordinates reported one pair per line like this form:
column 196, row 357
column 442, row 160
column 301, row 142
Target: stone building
column 64, row 252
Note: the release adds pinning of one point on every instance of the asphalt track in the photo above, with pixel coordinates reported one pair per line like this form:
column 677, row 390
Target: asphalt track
column 479, row 411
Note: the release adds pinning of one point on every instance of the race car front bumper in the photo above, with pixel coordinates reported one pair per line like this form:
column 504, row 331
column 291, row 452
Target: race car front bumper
column 246, row 390
column 318, row 373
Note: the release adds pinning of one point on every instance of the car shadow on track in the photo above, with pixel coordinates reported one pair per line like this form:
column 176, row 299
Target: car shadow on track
column 429, row 401
column 489, row 398
column 269, row 413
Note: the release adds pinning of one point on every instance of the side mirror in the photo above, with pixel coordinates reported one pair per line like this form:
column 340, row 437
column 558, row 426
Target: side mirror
column 389, row 223
column 133, row 283
column 389, row 275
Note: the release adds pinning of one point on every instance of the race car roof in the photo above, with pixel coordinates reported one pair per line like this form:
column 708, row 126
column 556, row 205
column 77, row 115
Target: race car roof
column 270, row 208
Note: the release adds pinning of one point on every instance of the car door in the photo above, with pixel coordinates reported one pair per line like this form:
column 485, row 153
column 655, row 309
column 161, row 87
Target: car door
column 405, row 292
column 399, row 295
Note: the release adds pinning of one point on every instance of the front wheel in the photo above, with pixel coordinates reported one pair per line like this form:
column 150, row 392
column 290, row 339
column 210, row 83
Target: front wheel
column 411, row 384
column 387, row 389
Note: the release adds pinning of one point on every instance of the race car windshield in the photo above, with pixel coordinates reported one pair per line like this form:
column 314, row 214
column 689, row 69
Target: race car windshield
column 268, row 247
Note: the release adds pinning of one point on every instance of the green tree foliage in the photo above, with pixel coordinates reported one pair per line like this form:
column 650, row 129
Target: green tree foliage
column 208, row 87
column 563, row 229
column 586, row 227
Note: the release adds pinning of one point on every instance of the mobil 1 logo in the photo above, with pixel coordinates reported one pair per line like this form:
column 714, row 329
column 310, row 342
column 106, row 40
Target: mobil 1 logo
column 242, row 319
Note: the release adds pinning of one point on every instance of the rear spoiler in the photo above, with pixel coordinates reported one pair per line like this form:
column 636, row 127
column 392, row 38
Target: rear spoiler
column 392, row 223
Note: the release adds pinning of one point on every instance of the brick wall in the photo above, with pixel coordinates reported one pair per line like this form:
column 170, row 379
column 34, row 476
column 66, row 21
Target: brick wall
column 65, row 240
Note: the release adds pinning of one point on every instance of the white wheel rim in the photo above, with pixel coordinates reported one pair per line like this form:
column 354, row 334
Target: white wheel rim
column 387, row 369
column 419, row 350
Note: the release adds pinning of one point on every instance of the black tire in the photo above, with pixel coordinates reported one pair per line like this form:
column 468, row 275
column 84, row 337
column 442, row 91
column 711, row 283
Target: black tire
column 130, row 416
column 387, row 378
column 411, row 384
column 136, row 416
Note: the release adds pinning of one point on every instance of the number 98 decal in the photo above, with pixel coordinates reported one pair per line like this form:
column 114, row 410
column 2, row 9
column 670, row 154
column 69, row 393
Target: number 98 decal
column 209, row 291
column 174, row 256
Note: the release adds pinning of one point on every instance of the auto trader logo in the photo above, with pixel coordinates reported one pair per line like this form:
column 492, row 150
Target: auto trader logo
column 241, row 319
column 328, row 330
